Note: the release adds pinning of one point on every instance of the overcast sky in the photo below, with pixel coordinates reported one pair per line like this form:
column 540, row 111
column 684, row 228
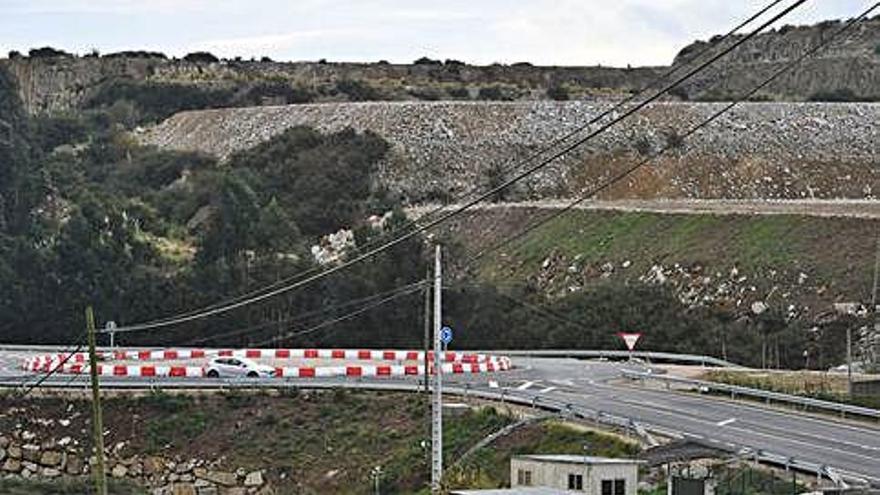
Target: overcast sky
column 562, row 32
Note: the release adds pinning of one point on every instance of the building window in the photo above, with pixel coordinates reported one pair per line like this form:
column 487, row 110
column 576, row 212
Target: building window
column 614, row 487
column 523, row 477
column 575, row 482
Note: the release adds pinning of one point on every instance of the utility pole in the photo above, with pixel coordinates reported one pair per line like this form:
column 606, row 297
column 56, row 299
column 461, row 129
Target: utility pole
column 871, row 354
column 427, row 327
column 437, row 406
column 97, row 420
column 849, row 384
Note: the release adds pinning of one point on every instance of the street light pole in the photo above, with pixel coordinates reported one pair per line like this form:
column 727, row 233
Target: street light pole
column 437, row 406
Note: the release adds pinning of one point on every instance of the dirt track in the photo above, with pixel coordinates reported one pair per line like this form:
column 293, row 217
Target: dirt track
column 845, row 208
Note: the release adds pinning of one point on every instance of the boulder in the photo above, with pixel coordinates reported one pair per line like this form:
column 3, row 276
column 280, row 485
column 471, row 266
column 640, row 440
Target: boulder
column 119, row 471
column 74, row 465
column 30, row 452
column 51, row 458
column 14, row 452
column 183, row 489
column 49, row 472
column 254, row 479
column 222, row 478
column 153, row 465
column 12, row 465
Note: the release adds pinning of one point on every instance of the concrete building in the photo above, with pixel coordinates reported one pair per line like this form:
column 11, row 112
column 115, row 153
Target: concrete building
column 583, row 474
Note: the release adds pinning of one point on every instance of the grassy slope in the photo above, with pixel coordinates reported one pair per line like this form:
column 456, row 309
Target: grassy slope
column 312, row 442
column 836, row 254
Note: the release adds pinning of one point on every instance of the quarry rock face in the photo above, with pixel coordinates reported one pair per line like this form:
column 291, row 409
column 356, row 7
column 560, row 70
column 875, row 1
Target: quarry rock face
column 442, row 149
column 851, row 63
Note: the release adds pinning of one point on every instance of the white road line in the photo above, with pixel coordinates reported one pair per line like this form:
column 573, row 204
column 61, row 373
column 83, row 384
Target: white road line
column 493, row 384
column 525, row 386
column 771, row 436
column 726, row 422
column 546, row 390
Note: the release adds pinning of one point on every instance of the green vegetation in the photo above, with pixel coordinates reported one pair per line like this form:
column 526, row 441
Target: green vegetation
column 157, row 101
column 840, row 95
column 16, row 486
column 806, row 384
column 89, row 217
column 490, row 467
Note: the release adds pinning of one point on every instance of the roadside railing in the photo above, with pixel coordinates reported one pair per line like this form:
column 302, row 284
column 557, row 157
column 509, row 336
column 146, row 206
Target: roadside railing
column 694, row 359
column 504, row 395
column 767, row 396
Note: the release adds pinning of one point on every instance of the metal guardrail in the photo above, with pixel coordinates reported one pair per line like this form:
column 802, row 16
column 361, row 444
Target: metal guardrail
column 735, row 390
column 503, row 395
column 695, row 359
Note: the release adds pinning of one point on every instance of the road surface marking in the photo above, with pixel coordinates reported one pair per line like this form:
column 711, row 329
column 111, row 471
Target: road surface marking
column 493, row 384
column 726, row 422
column 546, row 390
column 525, row 386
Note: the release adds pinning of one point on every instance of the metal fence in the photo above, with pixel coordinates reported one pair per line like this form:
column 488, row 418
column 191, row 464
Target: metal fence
column 734, row 391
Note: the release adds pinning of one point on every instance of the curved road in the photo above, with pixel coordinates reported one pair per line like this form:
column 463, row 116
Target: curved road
column 850, row 448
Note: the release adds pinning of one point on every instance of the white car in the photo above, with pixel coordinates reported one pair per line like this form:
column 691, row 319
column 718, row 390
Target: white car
column 235, row 367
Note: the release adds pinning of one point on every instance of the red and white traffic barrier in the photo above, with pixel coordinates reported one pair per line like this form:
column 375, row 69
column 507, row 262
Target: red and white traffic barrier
column 453, row 362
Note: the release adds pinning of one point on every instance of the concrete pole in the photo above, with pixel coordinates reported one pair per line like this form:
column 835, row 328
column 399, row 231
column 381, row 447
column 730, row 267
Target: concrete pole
column 849, row 363
column 437, row 407
column 427, row 327
column 100, row 471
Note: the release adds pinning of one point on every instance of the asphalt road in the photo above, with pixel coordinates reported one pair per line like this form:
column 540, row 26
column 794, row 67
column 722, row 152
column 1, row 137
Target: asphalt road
column 850, row 448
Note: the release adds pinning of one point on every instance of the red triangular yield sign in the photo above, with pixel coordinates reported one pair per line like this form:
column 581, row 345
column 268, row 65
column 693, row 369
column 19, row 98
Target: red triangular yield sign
column 630, row 339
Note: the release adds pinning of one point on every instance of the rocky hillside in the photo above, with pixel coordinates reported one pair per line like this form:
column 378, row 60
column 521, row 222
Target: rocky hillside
column 58, row 84
column 850, row 69
column 440, row 149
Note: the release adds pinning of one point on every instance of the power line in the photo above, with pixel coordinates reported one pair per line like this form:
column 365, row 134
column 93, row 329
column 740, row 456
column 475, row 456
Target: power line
column 689, row 133
column 305, row 316
column 52, row 371
column 537, row 154
column 433, row 223
column 348, row 316
column 547, row 313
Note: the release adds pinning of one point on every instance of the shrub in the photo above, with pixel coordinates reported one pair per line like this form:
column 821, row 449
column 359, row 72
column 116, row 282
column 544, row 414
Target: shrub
column 458, row 92
column 558, row 92
column 156, row 101
column 674, row 140
column 201, row 58
column 841, row 94
column 450, row 61
column 357, row 90
column 642, row 145
column 136, row 54
column 427, row 61
column 492, row 93
column 48, row 52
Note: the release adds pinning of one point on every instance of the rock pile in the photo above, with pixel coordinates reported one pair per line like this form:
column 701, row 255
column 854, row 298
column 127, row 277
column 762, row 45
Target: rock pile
column 441, row 149
column 24, row 454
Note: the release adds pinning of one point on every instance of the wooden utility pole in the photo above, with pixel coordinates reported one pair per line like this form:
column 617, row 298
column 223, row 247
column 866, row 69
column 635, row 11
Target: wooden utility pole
column 100, row 471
